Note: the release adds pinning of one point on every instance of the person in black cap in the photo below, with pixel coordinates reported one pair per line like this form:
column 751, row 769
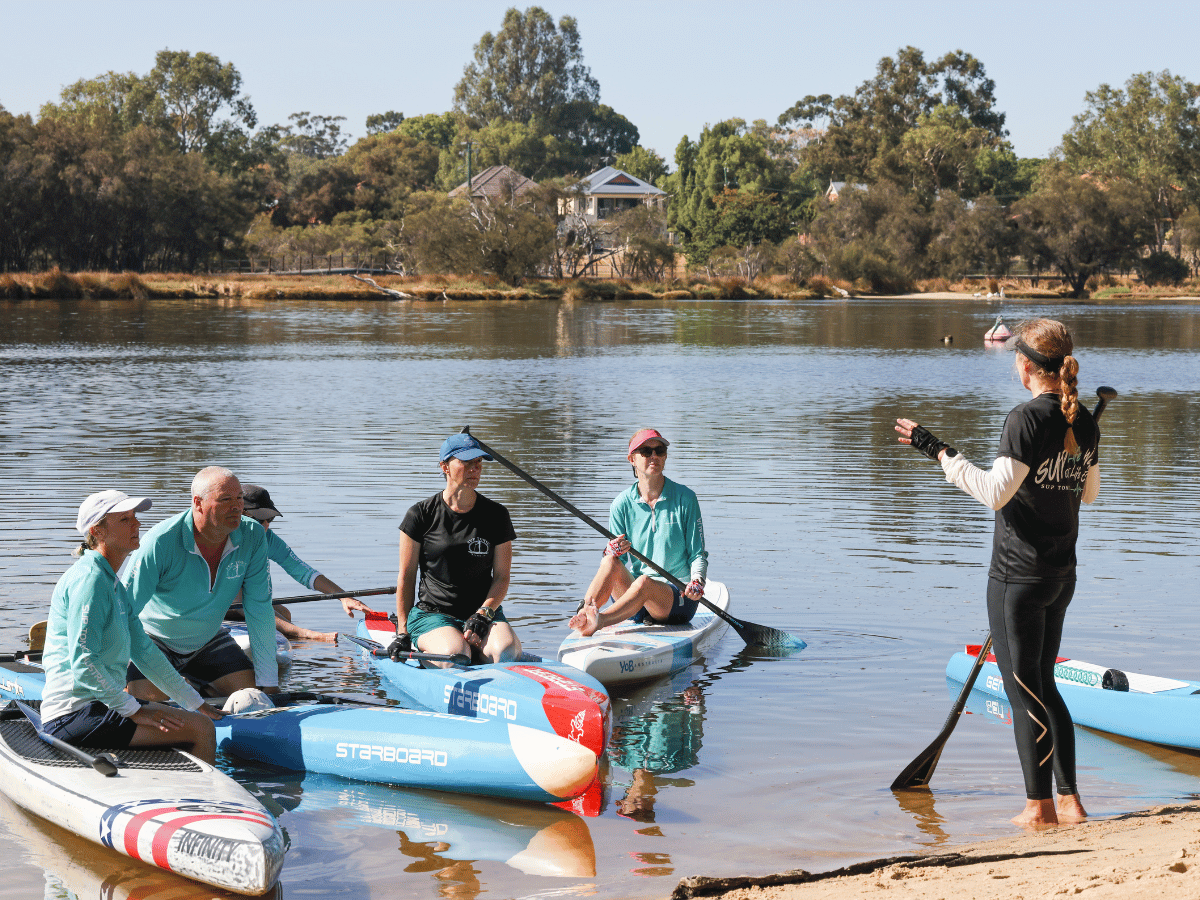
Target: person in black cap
column 1047, row 464
column 260, row 507
column 462, row 543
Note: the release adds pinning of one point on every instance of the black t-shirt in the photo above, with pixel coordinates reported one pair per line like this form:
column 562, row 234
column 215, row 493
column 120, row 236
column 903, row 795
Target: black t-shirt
column 457, row 552
column 1037, row 529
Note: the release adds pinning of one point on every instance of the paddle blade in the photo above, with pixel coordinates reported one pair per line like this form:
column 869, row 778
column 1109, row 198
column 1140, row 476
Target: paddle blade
column 766, row 637
column 920, row 770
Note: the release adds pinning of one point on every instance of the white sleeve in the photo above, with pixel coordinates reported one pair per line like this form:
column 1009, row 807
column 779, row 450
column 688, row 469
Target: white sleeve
column 1091, row 487
column 992, row 488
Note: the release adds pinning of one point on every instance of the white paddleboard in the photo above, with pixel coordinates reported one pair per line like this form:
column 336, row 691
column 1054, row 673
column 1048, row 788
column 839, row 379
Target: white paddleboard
column 628, row 652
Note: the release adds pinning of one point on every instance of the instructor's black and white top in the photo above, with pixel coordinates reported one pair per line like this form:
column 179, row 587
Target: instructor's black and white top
column 1036, row 487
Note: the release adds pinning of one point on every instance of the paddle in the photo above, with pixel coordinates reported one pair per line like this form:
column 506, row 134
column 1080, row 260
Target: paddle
column 759, row 635
column 918, row 772
column 103, row 763
column 309, row 597
column 377, row 649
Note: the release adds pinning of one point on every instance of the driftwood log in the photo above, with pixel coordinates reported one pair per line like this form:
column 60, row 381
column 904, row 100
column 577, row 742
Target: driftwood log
column 395, row 295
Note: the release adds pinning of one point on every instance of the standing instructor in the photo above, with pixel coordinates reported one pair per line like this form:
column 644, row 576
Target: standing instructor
column 1047, row 464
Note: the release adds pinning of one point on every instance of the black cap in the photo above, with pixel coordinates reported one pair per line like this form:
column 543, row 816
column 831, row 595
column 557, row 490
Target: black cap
column 258, row 502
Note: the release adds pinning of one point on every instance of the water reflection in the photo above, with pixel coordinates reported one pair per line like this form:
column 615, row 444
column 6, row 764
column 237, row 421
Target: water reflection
column 816, row 520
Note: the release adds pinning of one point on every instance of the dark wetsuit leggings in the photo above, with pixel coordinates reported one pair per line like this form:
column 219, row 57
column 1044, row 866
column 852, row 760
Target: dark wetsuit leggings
column 1027, row 623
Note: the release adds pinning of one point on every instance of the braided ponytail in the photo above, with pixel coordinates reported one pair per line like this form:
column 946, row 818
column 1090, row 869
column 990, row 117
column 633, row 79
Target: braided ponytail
column 1044, row 342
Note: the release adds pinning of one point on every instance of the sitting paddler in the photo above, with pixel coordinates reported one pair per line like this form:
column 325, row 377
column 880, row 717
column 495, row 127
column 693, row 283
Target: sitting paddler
column 259, row 506
column 462, row 543
column 91, row 636
column 661, row 520
column 183, row 579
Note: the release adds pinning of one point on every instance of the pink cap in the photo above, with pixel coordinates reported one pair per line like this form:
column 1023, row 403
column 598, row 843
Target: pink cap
column 646, row 434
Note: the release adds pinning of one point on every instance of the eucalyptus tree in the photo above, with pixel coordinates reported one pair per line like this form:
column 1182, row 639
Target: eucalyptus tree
column 854, row 133
column 1081, row 226
column 528, row 84
column 1146, row 135
column 525, row 71
column 730, row 187
column 382, row 123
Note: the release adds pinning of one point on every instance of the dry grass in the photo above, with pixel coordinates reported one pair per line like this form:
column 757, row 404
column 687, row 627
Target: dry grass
column 58, row 285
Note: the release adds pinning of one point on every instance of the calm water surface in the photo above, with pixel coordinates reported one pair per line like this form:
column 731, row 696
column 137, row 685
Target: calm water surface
column 780, row 417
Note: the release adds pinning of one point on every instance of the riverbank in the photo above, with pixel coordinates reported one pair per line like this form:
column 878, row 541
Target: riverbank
column 57, row 285
column 1151, row 854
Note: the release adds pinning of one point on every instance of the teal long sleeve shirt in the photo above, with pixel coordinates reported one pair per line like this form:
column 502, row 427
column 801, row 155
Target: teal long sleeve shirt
column 671, row 533
column 183, row 607
column 91, row 635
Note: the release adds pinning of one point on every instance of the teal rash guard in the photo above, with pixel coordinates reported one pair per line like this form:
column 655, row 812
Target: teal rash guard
column 671, row 533
column 182, row 607
column 279, row 551
column 91, row 635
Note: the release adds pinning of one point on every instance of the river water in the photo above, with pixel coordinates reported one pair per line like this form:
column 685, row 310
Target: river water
column 780, row 417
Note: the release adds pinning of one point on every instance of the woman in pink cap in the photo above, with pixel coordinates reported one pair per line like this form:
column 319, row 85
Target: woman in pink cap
column 661, row 520
column 92, row 634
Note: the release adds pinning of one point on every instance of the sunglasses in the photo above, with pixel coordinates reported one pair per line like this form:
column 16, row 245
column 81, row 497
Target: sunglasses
column 647, row 452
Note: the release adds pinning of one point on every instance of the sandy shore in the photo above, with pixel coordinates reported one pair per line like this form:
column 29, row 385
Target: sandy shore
column 1147, row 854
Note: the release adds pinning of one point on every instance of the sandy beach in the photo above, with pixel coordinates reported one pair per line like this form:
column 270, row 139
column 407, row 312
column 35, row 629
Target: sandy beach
column 1155, row 853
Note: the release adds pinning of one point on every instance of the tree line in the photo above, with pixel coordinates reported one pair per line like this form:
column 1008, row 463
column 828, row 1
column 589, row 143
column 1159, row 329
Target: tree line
column 171, row 171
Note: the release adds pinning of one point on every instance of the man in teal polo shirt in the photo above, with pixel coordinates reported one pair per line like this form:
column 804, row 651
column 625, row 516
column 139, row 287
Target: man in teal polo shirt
column 183, row 578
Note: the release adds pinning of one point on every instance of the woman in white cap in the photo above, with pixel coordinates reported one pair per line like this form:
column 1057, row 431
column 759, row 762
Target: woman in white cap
column 92, row 634
column 260, row 507
column 661, row 520
column 462, row 543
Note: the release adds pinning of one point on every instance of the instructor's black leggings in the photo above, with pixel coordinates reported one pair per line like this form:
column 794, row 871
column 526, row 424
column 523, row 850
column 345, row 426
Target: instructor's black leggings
column 1027, row 623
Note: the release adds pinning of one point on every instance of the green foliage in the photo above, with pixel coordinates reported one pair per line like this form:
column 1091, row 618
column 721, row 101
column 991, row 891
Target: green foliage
column 1163, row 268
column 188, row 93
column 879, row 236
column 1080, row 227
column 526, row 71
column 382, row 123
column 318, row 137
column 512, row 240
column 440, row 130
column 854, row 133
column 642, row 163
column 1147, row 134
column 741, row 165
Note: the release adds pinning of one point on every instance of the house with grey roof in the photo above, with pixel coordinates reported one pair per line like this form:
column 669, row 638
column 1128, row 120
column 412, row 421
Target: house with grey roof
column 498, row 184
column 609, row 191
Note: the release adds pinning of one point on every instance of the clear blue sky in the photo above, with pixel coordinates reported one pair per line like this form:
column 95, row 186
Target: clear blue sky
column 669, row 67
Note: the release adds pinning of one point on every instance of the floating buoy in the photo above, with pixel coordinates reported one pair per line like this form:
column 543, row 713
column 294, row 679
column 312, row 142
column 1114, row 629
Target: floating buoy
column 998, row 332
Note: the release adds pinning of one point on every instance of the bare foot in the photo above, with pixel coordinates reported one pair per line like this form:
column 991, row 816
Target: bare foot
column 1070, row 808
column 1037, row 814
column 586, row 621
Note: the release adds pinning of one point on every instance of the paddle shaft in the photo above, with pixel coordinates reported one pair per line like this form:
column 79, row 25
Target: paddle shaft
column 310, row 597
column 377, row 649
column 749, row 632
column 920, row 770
column 103, row 763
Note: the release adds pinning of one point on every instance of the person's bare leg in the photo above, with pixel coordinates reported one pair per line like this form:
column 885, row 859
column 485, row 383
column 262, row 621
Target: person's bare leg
column 645, row 593
column 1037, row 814
column 194, row 733
column 445, row 640
column 502, row 645
column 1070, row 808
column 234, row 681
